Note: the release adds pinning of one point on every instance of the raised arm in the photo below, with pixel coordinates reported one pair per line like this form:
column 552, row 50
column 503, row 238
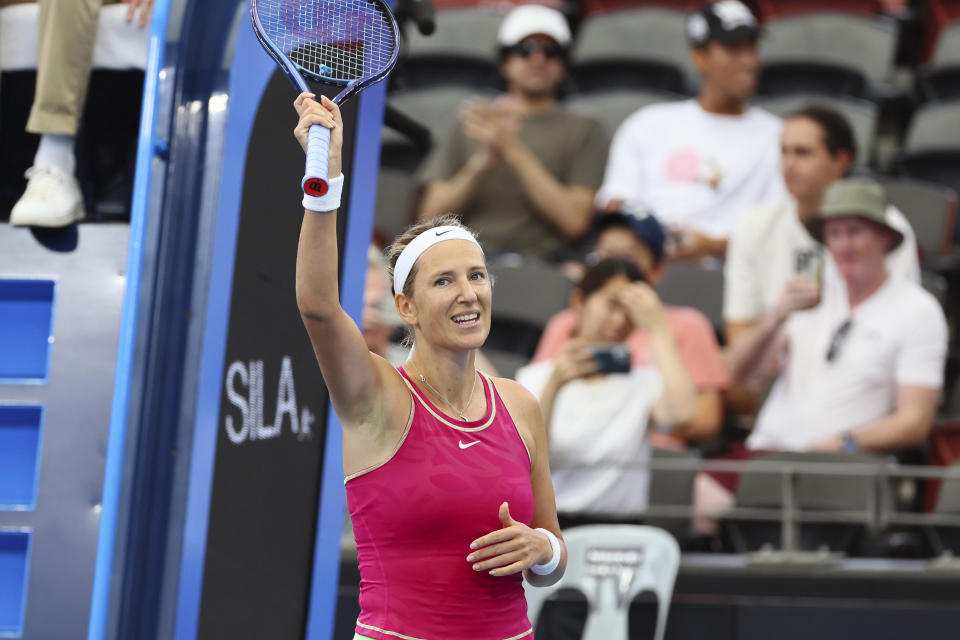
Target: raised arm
column 678, row 403
column 354, row 377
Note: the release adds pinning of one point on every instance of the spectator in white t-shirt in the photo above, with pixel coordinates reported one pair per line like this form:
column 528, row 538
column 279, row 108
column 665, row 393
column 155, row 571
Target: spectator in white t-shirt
column 771, row 254
column 597, row 419
column 698, row 163
column 862, row 369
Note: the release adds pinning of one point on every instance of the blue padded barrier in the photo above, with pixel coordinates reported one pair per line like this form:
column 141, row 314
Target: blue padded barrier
column 19, row 455
column 14, row 558
column 26, row 327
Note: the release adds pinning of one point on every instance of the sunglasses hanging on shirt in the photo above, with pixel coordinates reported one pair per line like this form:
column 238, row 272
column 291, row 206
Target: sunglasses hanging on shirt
column 836, row 343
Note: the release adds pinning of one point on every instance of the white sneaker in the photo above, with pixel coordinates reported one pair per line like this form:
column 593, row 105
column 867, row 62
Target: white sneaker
column 52, row 199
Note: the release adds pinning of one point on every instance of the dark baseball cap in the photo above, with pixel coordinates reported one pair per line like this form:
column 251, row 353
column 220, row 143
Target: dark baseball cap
column 727, row 22
column 644, row 224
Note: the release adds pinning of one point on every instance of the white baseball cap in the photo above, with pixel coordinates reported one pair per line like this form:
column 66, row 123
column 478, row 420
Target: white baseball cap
column 531, row 19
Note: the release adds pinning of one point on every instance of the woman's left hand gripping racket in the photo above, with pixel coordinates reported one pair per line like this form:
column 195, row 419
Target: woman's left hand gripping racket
column 350, row 43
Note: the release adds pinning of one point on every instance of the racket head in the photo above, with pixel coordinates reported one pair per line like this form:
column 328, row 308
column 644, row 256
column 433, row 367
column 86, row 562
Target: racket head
column 349, row 43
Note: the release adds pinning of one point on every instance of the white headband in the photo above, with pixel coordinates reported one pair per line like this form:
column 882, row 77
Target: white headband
column 421, row 243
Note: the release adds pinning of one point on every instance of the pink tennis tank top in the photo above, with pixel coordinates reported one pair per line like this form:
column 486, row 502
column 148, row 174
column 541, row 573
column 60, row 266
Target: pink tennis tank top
column 415, row 515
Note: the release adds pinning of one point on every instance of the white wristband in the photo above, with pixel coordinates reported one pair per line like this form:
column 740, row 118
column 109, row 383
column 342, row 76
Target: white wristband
column 550, row 567
column 330, row 201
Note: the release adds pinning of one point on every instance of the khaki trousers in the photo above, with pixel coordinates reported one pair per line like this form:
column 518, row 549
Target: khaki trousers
column 66, row 32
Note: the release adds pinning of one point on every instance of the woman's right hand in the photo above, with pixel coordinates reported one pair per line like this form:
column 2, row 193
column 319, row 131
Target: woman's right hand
column 325, row 113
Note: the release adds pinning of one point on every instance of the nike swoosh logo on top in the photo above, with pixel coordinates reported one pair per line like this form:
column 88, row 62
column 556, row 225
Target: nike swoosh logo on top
column 440, row 233
column 469, row 444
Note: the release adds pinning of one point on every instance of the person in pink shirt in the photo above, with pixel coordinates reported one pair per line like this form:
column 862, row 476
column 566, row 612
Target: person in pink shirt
column 641, row 239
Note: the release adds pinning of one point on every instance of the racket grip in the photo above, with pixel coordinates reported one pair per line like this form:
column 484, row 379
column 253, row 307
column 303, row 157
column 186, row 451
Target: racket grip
column 318, row 160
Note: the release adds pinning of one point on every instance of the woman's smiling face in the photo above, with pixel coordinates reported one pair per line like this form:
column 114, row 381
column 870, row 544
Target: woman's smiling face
column 450, row 305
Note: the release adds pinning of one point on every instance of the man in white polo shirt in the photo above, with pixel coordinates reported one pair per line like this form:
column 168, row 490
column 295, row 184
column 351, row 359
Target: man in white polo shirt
column 698, row 163
column 771, row 254
column 863, row 368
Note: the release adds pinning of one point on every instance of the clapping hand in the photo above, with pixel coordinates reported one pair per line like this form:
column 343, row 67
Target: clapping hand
column 142, row 7
column 511, row 549
column 493, row 124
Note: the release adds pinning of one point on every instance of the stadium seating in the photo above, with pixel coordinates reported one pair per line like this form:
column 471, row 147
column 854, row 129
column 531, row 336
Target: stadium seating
column 943, row 538
column 931, row 150
column 827, row 52
column 436, row 109
column 862, row 115
column 634, row 49
column 613, row 107
column 631, row 53
column 771, row 8
column 462, row 51
column 394, row 206
column 821, row 492
column 528, row 294
column 931, row 210
column 941, row 78
column 691, row 285
column 671, row 488
column 602, row 6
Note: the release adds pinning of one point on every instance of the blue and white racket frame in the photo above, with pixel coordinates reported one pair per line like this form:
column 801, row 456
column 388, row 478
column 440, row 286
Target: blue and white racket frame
column 314, row 182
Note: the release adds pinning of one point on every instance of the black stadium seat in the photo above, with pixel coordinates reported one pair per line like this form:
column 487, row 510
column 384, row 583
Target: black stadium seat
column 940, row 79
column 932, row 148
column 461, row 51
column 813, row 492
column 527, row 294
column 633, row 49
column 827, row 52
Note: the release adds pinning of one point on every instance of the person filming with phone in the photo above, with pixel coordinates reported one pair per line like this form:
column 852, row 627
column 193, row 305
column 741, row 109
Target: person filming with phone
column 597, row 405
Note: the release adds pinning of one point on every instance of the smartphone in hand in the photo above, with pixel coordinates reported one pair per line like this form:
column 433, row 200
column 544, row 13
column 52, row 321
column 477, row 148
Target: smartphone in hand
column 612, row 358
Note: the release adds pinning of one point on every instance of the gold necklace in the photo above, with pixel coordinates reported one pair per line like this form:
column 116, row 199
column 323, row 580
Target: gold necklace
column 443, row 397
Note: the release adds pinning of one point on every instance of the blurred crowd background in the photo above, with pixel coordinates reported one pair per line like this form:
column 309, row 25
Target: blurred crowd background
column 722, row 235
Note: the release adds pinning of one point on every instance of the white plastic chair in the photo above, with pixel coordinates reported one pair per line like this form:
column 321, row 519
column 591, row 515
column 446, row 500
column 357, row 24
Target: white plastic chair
column 611, row 565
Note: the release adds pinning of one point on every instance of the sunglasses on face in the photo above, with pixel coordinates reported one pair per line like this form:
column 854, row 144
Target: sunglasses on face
column 526, row 49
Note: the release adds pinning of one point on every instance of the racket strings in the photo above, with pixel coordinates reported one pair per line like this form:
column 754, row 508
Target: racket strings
column 335, row 40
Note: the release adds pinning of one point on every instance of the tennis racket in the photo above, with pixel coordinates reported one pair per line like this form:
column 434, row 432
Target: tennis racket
column 348, row 43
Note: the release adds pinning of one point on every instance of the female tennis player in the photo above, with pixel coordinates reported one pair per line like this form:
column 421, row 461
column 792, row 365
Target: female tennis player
column 447, row 478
